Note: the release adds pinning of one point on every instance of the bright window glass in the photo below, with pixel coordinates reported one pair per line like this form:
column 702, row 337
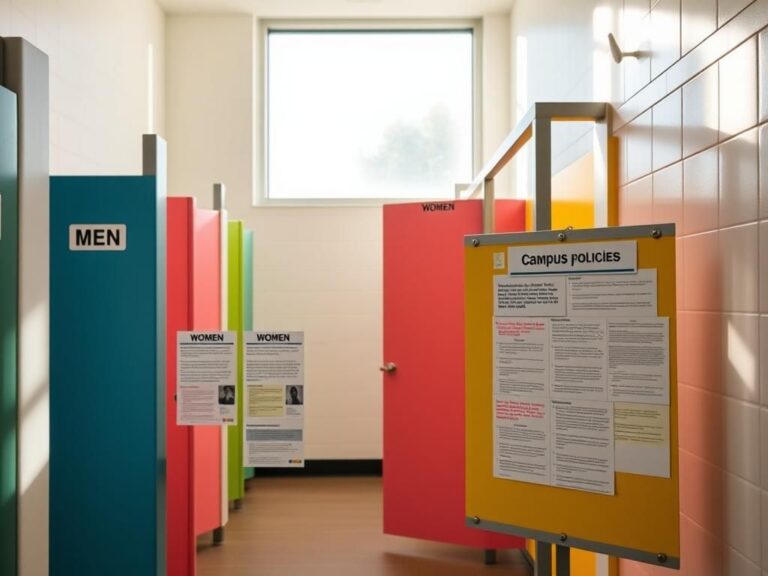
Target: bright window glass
column 368, row 114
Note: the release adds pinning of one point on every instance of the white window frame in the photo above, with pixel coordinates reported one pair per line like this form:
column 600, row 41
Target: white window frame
column 264, row 26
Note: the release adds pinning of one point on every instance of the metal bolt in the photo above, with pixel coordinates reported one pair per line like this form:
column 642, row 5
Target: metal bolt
column 561, row 236
column 475, row 242
column 661, row 557
column 656, row 233
column 563, row 537
column 475, row 520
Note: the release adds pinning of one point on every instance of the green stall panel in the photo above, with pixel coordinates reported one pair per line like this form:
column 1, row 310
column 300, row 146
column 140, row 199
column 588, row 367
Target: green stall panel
column 235, row 315
column 9, row 273
column 248, row 280
column 240, row 317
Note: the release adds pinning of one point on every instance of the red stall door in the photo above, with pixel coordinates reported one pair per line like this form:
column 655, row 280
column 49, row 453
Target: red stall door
column 206, row 315
column 424, row 394
column 193, row 503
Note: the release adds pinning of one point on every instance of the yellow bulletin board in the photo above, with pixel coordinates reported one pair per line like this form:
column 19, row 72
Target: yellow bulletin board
column 640, row 520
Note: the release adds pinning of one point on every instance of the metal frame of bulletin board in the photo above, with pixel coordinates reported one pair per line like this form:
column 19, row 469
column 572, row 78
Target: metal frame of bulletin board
column 585, row 198
column 639, row 518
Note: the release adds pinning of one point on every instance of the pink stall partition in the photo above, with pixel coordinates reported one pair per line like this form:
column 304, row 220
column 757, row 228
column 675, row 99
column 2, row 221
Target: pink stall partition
column 424, row 394
column 193, row 453
column 206, row 315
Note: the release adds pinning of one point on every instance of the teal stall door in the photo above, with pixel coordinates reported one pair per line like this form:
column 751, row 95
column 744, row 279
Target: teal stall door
column 9, row 269
column 107, row 496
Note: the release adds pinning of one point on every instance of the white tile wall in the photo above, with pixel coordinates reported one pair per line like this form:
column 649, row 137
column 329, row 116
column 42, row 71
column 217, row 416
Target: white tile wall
column 738, row 179
column 727, row 9
column 739, row 268
column 702, row 274
column 742, row 505
column 738, row 89
column 741, row 357
column 700, row 192
column 742, row 439
column 665, row 35
column 738, row 565
column 637, row 71
column 763, row 75
column 107, row 61
column 765, row 523
column 763, row 169
column 702, row 436
column 705, row 483
column 667, row 130
column 698, row 20
column 721, row 188
column 699, row 358
column 639, row 142
column 638, row 201
column 763, row 445
column 668, row 196
column 700, row 108
column 764, row 381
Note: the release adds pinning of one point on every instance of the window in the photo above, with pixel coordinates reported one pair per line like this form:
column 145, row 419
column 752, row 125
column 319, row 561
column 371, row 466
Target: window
column 368, row 113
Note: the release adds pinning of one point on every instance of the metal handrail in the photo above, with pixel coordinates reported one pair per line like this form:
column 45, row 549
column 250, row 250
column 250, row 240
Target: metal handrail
column 536, row 127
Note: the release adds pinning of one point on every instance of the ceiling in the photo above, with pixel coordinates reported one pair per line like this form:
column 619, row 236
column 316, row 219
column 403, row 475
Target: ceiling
column 341, row 8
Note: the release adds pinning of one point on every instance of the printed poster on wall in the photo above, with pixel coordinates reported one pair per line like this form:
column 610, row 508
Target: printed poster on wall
column 580, row 367
column 206, row 375
column 274, row 399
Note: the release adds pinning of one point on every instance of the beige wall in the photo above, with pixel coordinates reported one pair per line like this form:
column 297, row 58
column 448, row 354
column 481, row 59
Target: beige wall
column 317, row 269
column 102, row 88
column 107, row 77
column 691, row 120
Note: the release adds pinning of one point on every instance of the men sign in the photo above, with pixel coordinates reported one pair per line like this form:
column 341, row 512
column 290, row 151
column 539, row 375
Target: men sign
column 98, row 237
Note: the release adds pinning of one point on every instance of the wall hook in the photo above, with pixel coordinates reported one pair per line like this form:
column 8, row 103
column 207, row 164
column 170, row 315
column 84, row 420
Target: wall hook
column 616, row 51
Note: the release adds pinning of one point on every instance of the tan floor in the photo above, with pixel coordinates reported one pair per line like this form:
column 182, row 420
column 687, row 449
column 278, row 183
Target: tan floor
column 330, row 527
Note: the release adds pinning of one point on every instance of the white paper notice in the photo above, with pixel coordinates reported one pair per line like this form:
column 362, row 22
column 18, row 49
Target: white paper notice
column 274, row 399
column 577, row 358
column 521, row 440
column 582, row 446
column 641, row 436
column 520, row 356
column 529, row 296
column 638, row 360
column 206, row 377
column 613, row 294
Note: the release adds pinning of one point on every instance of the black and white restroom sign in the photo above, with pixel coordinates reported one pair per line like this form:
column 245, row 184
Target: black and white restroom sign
column 98, row 237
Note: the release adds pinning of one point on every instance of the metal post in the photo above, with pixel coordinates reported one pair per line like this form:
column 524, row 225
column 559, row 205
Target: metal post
column 542, row 173
column 26, row 73
column 490, row 557
column 542, row 220
column 154, row 157
column 543, row 559
column 563, row 560
column 488, row 205
column 219, row 204
column 219, row 196
column 601, row 171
